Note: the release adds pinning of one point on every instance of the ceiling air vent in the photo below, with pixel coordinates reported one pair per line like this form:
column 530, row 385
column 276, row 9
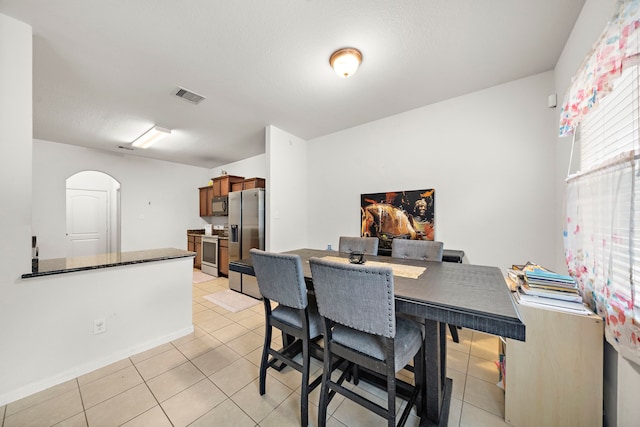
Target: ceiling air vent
column 189, row 96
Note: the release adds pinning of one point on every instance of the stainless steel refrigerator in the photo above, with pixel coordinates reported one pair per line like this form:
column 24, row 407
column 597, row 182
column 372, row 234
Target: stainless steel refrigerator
column 246, row 231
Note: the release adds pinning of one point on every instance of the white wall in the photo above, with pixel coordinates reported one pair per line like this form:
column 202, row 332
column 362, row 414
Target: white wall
column 253, row 167
column 47, row 323
column 488, row 155
column 628, row 379
column 15, row 146
column 621, row 377
column 47, row 329
column 159, row 200
column 15, row 184
column 287, row 193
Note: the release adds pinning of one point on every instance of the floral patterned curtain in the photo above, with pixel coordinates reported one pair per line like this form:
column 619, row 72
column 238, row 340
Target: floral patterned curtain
column 600, row 247
column 609, row 55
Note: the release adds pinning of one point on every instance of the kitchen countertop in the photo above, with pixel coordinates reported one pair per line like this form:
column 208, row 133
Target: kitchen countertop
column 48, row 267
column 201, row 233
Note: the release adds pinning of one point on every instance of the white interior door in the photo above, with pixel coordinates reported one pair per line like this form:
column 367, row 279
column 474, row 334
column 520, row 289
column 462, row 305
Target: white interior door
column 87, row 222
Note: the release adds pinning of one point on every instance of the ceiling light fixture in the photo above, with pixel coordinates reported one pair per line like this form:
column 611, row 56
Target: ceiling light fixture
column 346, row 61
column 151, row 136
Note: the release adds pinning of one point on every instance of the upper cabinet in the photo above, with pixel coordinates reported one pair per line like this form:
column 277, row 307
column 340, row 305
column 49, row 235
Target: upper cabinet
column 248, row 184
column 222, row 185
column 206, row 196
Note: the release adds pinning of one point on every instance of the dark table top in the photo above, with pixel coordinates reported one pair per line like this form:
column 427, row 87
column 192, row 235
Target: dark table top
column 466, row 295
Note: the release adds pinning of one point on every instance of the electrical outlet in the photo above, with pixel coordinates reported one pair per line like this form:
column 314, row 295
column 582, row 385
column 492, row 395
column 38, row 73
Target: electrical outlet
column 99, row 326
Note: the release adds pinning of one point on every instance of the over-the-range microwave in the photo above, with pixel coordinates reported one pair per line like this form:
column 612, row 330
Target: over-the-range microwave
column 220, row 206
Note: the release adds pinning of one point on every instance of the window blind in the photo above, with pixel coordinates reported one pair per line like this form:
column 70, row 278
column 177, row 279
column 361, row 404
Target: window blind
column 602, row 233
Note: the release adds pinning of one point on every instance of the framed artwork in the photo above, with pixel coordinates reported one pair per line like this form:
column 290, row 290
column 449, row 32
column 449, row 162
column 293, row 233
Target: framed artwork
column 398, row 215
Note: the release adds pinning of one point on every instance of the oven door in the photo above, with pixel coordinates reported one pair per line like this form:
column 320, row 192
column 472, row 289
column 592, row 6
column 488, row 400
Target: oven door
column 209, row 263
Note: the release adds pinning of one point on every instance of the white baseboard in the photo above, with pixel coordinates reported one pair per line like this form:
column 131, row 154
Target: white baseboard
column 35, row 387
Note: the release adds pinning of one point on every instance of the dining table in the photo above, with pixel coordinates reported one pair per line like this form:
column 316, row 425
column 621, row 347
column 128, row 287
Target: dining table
column 438, row 293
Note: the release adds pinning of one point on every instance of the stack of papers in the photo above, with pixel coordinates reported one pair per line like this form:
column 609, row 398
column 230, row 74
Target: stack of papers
column 542, row 288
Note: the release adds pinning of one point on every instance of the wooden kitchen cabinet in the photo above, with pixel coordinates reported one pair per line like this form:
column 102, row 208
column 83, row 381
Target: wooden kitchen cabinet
column 190, row 243
column 194, row 244
column 555, row 377
column 248, row 184
column 217, row 185
column 198, row 259
column 223, row 262
column 222, row 184
column 206, row 196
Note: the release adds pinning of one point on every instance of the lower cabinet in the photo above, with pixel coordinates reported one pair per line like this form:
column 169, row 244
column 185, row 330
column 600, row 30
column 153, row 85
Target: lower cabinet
column 194, row 244
column 198, row 260
column 223, row 262
column 555, row 377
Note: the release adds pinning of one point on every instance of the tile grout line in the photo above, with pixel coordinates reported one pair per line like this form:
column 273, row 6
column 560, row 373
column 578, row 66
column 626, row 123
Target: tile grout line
column 228, row 397
column 152, row 394
column 84, row 410
column 257, row 330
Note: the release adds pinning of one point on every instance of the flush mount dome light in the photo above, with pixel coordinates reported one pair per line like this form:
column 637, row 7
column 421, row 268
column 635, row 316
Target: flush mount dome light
column 346, row 61
column 151, row 136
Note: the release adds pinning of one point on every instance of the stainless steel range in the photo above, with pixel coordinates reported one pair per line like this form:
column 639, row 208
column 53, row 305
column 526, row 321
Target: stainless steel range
column 209, row 264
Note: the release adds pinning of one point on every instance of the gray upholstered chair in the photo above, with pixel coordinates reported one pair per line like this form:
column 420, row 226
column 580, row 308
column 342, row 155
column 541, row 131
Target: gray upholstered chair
column 357, row 306
column 365, row 245
column 421, row 249
column 281, row 279
column 417, row 249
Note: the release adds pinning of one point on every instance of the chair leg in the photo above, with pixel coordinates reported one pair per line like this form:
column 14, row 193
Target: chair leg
column 265, row 357
column 356, row 374
column 304, row 397
column 454, row 333
column 391, row 397
column 324, row 389
column 326, row 378
column 418, row 376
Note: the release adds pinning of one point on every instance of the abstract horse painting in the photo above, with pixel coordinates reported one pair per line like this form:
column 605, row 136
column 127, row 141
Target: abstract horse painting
column 401, row 214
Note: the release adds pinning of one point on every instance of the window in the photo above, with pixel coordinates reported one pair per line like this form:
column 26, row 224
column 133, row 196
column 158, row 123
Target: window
column 602, row 229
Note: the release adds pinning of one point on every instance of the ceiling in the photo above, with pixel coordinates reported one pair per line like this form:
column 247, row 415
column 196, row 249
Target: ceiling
column 105, row 70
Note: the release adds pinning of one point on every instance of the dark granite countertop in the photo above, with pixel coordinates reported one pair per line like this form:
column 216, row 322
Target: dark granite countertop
column 218, row 233
column 48, row 267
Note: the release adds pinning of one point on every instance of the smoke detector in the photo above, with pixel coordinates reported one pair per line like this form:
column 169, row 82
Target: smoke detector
column 187, row 95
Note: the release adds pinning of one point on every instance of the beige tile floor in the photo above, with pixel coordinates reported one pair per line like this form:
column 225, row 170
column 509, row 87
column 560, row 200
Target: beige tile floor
column 210, row 378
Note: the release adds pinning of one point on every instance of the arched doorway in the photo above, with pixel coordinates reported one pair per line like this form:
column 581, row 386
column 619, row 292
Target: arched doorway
column 93, row 214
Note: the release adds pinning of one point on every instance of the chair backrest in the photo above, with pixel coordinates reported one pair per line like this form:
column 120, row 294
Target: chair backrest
column 280, row 278
column 417, row 249
column 366, row 245
column 357, row 296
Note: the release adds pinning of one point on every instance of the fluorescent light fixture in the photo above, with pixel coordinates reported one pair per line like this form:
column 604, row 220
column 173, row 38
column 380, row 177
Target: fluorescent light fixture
column 151, row 136
column 346, row 61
